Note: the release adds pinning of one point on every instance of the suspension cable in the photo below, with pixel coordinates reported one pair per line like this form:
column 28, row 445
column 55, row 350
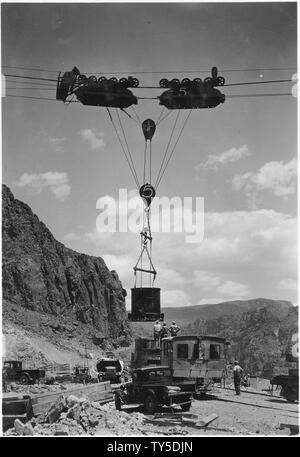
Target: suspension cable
column 172, row 152
column 150, row 164
column 123, row 149
column 165, row 117
column 124, row 111
column 167, row 148
column 145, row 157
column 135, row 112
column 161, row 113
column 127, row 146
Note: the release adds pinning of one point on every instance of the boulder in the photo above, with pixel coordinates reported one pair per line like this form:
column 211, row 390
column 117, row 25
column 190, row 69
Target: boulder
column 19, row 427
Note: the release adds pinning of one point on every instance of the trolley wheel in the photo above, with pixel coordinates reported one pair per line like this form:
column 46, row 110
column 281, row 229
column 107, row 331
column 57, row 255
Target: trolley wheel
column 123, row 81
column 185, row 81
column 101, row 79
column 113, row 80
column 221, row 80
column 164, row 83
column 175, row 82
column 135, row 82
column 208, row 80
column 82, row 79
column 92, row 79
column 197, row 80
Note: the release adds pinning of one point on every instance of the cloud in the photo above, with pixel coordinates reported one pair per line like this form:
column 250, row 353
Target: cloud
column 72, row 237
column 214, row 161
column 57, row 182
column 288, row 284
column 174, row 298
column 233, row 290
column 226, row 288
column 94, row 139
column 57, row 143
column 210, row 301
column 242, row 253
column 275, row 177
column 66, row 40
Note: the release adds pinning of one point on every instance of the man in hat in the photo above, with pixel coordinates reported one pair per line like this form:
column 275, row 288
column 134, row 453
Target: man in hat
column 174, row 329
column 156, row 332
column 237, row 376
column 164, row 331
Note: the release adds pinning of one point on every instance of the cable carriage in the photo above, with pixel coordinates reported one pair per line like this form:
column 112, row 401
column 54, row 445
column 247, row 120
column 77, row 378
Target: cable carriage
column 114, row 93
column 110, row 93
column 192, row 94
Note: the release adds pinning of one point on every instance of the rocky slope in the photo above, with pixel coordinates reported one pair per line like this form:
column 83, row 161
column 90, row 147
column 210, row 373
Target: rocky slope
column 235, row 308
column 44, row 277
column 260, row 337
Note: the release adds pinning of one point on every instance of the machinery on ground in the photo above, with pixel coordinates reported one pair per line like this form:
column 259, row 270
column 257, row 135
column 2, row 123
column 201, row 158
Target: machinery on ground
column 289, row 383
column 110, row 369
column 152, row 387
column 196, row 362
column 13, row 371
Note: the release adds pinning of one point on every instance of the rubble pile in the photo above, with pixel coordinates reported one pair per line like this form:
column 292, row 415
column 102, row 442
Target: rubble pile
column 36, row 389
column 78, row 416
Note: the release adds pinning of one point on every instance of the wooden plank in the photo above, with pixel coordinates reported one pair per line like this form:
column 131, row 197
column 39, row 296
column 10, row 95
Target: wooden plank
column 83, row 391
column 206, row 420
column 100, row 392
column 9, row 420
column 294, row 428
column 42, row 408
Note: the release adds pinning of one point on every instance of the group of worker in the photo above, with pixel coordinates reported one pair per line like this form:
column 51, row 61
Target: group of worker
column 161, row 330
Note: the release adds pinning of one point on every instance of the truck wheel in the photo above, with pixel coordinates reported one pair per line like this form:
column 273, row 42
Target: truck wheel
column 150, row 404
column 186, row 406
column 118, row 403
column 289, row 395
column 24, row 379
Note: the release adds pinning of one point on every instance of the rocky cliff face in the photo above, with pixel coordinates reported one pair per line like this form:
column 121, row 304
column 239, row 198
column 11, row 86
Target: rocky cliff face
column 260, row 337
column 41, row 274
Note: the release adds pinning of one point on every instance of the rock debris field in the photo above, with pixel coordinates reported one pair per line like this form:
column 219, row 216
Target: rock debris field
column 251, row 413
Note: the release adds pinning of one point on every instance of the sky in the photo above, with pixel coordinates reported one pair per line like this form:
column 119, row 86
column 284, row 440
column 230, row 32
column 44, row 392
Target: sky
column 240, row 157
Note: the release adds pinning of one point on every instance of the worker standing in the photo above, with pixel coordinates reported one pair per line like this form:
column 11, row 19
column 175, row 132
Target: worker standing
column 174, row 329
column 237, row 376
column 164, row 331
column 156, row 332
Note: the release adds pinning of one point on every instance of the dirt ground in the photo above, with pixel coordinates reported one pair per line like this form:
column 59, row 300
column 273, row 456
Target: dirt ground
column 251, row 413
column 247, row 414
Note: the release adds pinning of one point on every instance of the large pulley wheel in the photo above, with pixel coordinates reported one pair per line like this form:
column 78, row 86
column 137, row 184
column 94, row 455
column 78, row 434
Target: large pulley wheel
column 147, row 192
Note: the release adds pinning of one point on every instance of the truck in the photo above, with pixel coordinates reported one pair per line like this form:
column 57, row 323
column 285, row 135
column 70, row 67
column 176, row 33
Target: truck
column 110, row 369
column 288, row 377
column 153, row 388
column 196, row 362
column 289, row 384
column 13, row 371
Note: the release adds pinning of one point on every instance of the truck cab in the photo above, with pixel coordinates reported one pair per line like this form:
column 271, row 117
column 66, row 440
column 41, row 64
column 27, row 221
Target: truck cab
column 195, row 360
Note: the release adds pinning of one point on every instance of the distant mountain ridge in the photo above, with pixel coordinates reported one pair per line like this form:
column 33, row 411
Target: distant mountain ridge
column 188, row 314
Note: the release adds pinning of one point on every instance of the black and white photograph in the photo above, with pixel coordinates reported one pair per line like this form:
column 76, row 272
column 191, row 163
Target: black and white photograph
column 149, row 222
